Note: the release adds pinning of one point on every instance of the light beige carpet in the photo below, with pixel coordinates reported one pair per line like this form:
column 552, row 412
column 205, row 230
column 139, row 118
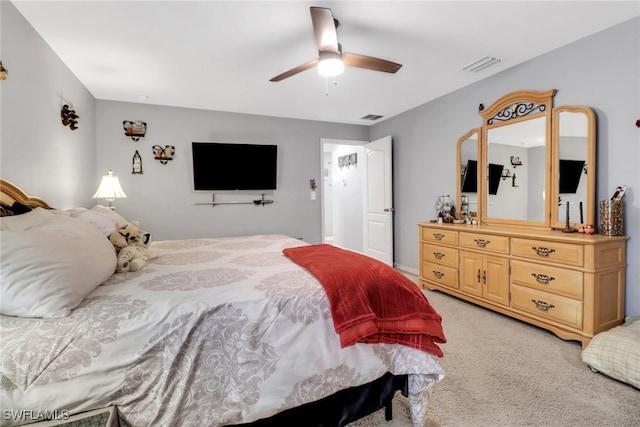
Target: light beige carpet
column 503, row 372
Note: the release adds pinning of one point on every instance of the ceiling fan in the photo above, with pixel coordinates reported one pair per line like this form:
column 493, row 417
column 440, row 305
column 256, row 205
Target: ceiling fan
column 331, row 60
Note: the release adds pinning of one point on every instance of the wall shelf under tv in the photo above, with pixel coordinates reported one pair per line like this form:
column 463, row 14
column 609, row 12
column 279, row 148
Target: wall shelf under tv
column 258, row 202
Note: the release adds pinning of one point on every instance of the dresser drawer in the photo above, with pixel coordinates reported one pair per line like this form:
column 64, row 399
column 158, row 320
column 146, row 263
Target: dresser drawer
column 547, row 306
column 440, row 255
column 560, row 253
column 439, row 273
column 486, row 242
column 439, row 236
column 546, row 278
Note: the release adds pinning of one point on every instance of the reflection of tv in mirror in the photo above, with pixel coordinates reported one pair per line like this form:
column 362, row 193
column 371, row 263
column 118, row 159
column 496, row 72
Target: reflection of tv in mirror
column 570, row 173
column 495, row 173
column 470, row 178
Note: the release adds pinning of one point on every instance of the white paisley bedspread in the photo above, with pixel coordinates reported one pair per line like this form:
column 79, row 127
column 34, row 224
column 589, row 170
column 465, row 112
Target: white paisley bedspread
column 210, row 332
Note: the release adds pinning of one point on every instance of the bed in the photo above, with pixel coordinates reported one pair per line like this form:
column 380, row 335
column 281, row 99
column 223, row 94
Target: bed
column 212, row 331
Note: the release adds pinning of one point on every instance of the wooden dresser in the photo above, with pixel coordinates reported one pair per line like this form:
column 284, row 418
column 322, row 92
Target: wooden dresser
column 569, row 283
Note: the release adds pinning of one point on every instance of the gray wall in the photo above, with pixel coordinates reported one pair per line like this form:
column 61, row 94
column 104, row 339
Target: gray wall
column 601, row 71
column 38, row 153
column 163, row 199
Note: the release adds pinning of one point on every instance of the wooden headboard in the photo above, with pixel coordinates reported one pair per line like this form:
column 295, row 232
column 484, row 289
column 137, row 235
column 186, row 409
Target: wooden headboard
column 10, row 193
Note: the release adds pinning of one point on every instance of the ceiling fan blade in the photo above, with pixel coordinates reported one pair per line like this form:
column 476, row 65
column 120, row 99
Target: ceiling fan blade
column 370, row 63
column 324, row 28
column 295, row 70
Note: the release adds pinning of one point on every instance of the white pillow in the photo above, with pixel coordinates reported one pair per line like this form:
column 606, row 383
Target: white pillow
column 48, row 269
column 105, row 221
column 26, row 220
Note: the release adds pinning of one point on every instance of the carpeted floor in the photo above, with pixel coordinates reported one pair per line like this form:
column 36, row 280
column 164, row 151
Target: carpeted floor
column 503, row 372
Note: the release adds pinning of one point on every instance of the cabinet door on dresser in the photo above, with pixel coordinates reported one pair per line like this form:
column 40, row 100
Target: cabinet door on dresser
column 485, row 276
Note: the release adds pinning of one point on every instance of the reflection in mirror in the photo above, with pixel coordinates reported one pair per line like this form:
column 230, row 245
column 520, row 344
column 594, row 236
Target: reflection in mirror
column 467, row 166
column 516, row 172
column 575, row 169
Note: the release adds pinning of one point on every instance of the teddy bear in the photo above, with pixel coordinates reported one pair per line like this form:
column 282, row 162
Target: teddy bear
column 123, row 234
column 134, row 256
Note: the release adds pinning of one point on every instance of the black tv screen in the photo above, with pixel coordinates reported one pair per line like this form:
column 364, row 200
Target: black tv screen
column 570, row 173
column 470, row 177
column 495, row 174
column 225, row 166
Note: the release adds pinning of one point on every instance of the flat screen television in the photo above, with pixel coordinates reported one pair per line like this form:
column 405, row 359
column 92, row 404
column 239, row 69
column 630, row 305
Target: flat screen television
column 227, row 166
column 495, row 174
column 570, row 173
column 470, row 177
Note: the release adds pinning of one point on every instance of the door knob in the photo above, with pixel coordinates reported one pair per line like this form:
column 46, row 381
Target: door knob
column 389, row 210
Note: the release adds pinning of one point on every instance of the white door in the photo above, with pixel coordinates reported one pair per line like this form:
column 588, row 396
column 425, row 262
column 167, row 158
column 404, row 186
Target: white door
column 378, row 201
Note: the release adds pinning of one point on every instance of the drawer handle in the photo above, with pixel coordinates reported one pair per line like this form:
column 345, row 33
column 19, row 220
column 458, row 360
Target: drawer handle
column 438, row 274
column 481, row 242
column 542, row 251
column 543, row 279
column 542, row 305
column 438, row 236
column 438, row 255
column 478, row 276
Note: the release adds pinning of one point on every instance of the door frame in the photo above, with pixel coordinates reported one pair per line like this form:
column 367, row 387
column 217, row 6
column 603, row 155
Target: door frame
column 363, row 144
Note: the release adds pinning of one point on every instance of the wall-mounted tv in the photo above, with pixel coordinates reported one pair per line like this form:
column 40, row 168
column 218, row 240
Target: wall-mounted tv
column 470, row 177
column 227, row 166
column 570, row 173
column 495, row 174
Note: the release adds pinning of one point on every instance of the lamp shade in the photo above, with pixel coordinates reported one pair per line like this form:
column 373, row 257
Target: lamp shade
column 109, row 188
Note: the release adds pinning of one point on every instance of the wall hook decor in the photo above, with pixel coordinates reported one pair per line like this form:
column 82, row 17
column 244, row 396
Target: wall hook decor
column 163, row 154
column 136, row 167
column 506, row 173
column 69, row 117
column 134, row 129
column 515, row 161
column 312, row 184
column 348, row 160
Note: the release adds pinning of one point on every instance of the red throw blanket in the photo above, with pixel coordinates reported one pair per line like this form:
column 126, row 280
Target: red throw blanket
column 370, row 301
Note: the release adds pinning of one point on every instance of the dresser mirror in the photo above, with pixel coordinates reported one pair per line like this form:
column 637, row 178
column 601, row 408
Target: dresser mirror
column 516, row 156
column 533, row 163
column 467, row 163
column 574, row 160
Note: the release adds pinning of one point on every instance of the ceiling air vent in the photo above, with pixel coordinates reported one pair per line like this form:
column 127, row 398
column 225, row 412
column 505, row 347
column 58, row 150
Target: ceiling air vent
column 481, row 64
column 371, row 117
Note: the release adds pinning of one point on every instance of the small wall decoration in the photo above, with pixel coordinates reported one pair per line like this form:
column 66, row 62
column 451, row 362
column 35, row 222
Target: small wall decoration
column 3, row 72
column 348, row 160
column 136, row 167
column 134, row 129
column 163, row 154
column 69, row 117
column 515, row 161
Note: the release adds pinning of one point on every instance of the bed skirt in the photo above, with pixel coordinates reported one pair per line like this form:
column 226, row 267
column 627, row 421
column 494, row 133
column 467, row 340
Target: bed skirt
column 343, row 407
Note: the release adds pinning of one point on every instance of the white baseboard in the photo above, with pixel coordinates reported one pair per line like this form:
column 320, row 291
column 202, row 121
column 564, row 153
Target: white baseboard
column 409, row 270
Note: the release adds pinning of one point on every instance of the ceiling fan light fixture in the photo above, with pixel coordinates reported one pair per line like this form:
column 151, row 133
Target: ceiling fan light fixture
column 330, row 64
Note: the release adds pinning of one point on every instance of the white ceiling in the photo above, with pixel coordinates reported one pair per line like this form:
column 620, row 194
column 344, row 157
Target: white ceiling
column 220, row 55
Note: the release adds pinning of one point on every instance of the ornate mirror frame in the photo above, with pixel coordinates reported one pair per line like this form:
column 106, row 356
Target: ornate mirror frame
column 517, row 108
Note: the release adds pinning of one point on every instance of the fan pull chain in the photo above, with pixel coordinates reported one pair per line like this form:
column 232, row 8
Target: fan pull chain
column 326, row 85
